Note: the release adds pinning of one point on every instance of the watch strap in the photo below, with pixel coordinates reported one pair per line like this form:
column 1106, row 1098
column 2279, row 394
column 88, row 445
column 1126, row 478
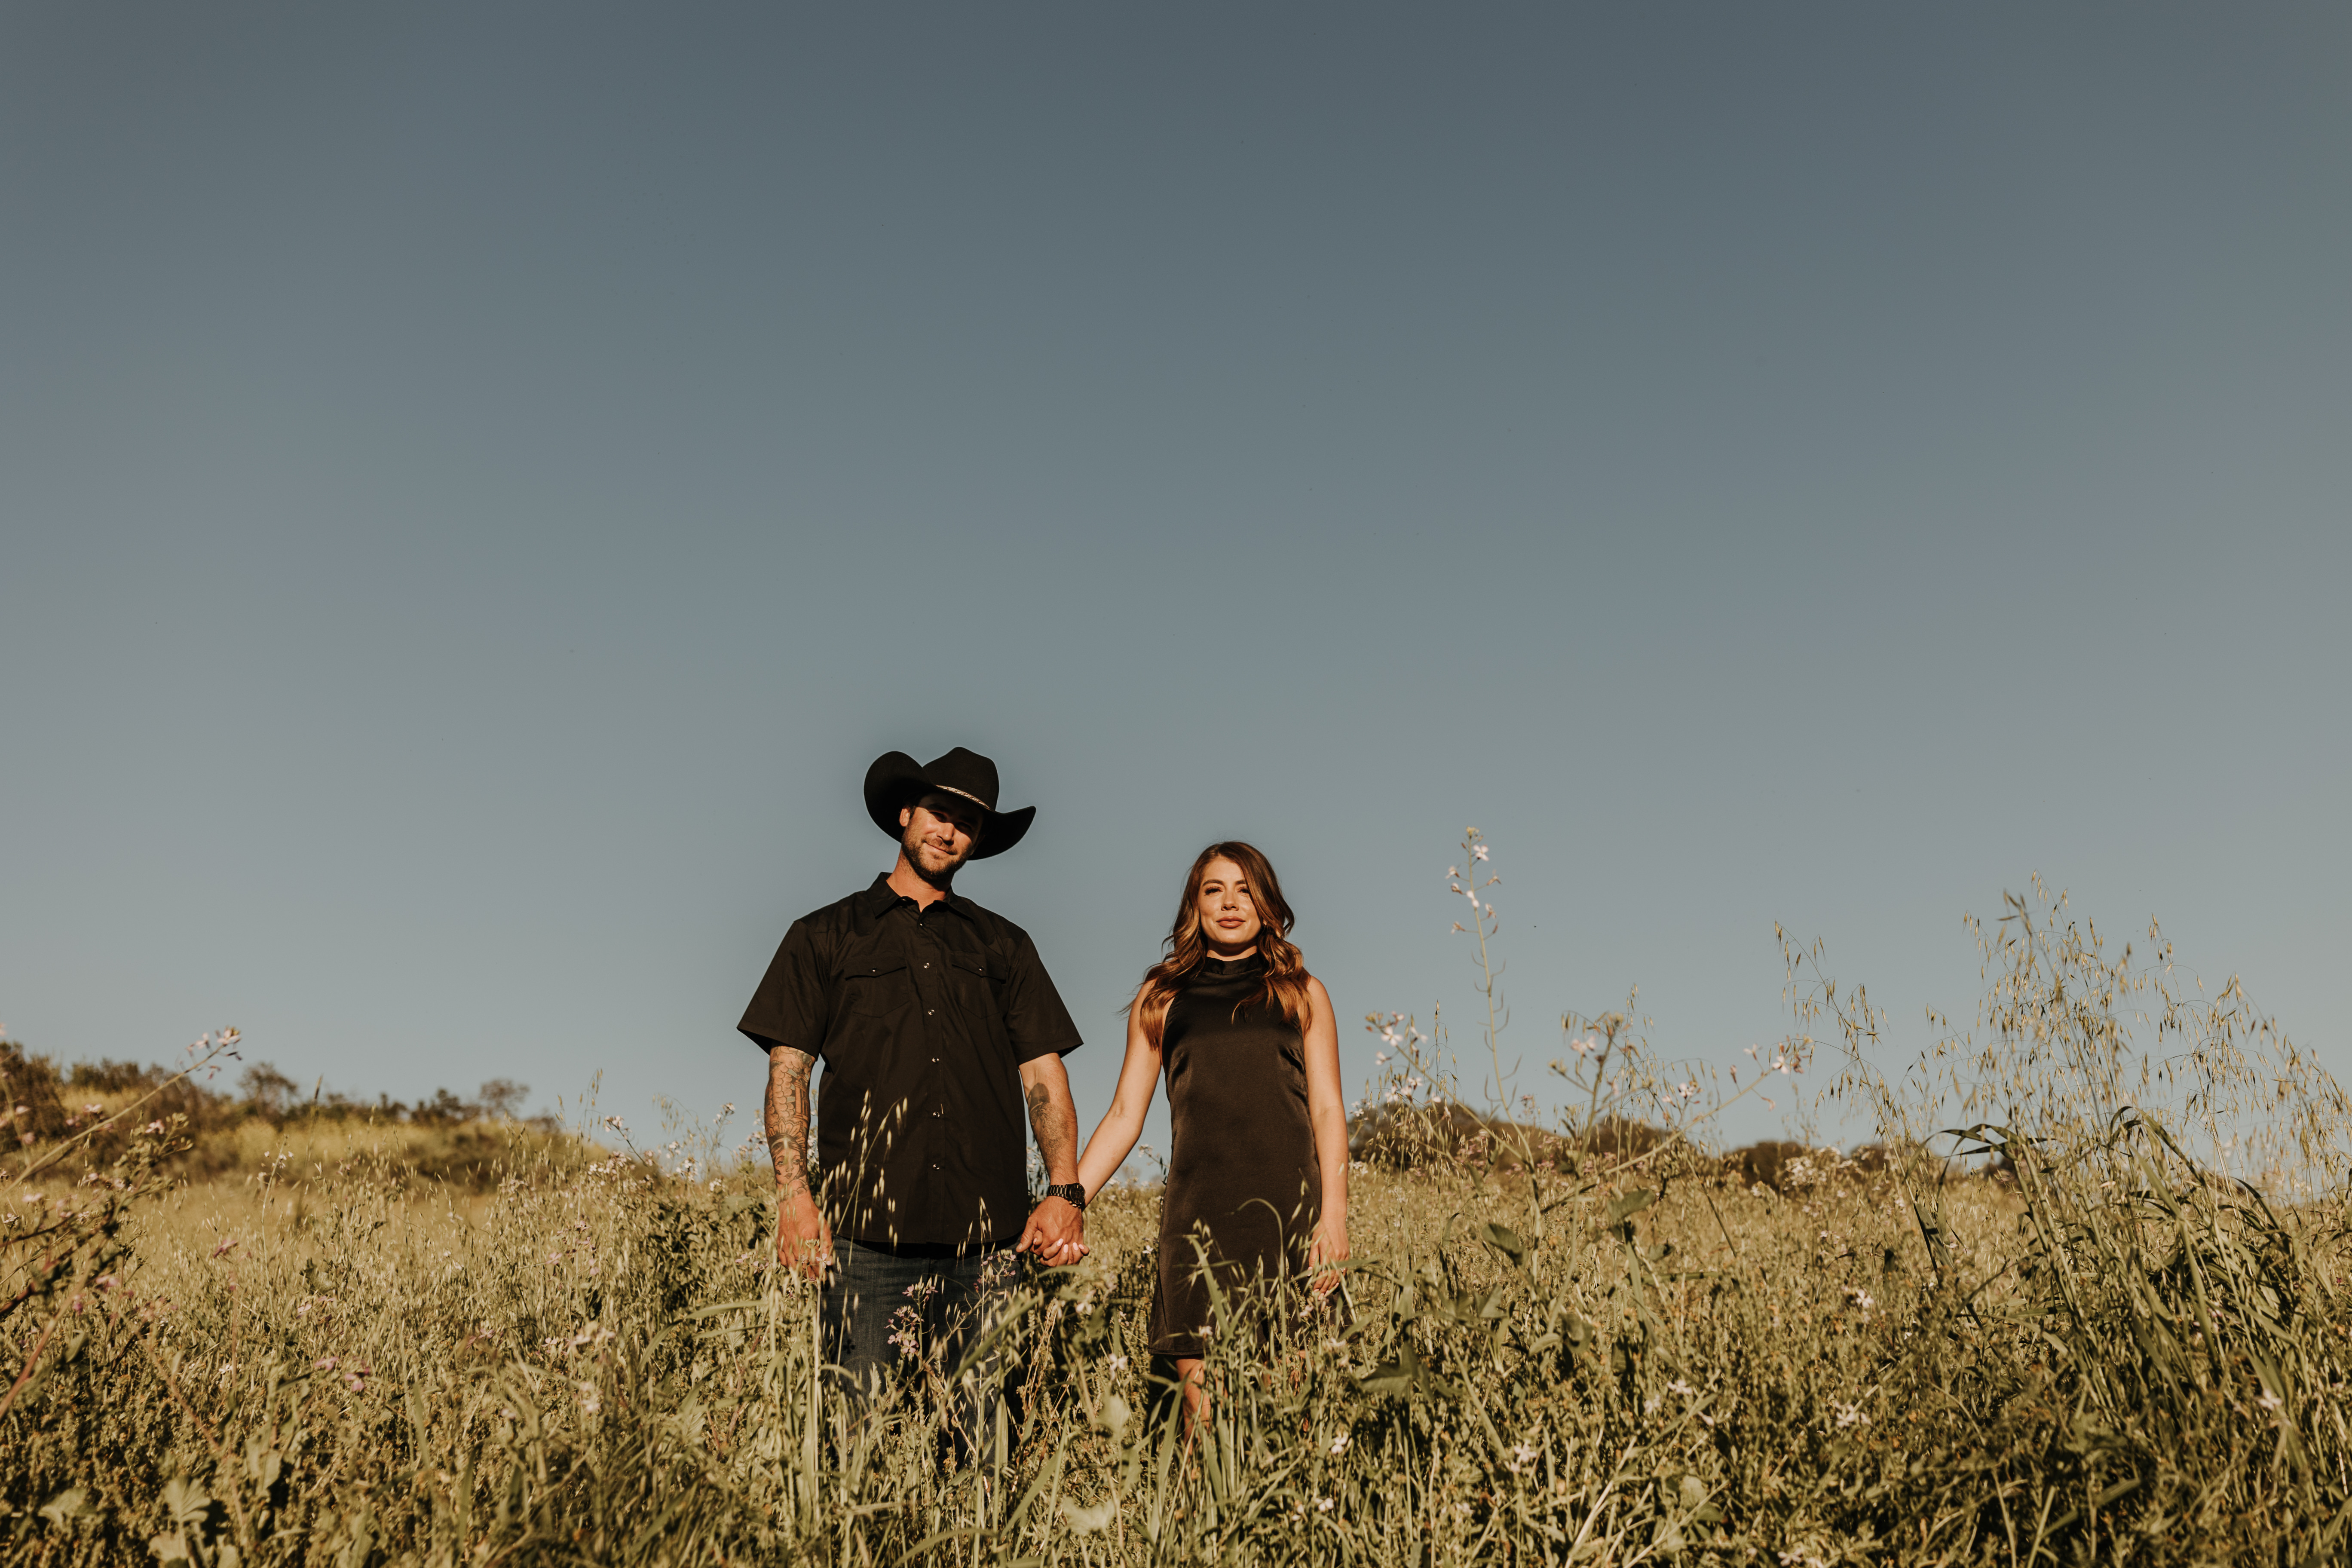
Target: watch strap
column 1071, row 1193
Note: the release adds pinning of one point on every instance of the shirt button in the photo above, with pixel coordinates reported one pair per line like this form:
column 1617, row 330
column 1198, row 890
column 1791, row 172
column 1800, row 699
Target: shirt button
column 929, row 1010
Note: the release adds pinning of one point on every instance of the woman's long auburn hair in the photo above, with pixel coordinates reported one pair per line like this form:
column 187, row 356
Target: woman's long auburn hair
column 1286, row 971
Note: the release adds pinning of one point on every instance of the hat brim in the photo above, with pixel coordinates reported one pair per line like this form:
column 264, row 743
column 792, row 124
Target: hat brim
column 896, row 781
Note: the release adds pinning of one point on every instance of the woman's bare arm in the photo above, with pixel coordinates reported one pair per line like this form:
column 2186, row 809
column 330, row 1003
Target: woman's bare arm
column 1327, row 1110
column 1122, row 1124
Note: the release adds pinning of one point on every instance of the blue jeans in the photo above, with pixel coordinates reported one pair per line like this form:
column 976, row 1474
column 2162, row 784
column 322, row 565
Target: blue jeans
column 887, row 1308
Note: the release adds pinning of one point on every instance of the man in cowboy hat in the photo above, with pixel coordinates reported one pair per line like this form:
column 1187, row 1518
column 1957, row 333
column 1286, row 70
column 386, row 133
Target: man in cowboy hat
column 937, row 1022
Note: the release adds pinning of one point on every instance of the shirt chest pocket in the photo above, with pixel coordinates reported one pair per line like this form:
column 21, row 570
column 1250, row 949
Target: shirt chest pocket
column 979, row 982
column 875, row 989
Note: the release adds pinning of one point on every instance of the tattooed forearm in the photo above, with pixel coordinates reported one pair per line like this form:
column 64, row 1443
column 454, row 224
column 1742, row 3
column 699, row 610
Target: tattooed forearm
column 1055, row 1120
column 788, row 1117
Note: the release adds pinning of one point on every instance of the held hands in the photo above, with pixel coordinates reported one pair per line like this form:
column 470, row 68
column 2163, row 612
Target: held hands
column 803, row 1241
column 1324, row 1257
column 1057, row 1233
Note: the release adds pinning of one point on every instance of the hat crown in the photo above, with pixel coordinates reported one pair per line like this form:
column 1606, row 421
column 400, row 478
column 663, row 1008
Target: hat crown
column 967, row 773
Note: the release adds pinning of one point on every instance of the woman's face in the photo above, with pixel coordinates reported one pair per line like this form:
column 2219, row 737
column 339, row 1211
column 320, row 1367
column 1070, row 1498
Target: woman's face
column 1229, row 918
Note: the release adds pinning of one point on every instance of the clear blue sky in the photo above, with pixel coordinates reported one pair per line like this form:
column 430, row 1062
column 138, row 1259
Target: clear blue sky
column 478, row 484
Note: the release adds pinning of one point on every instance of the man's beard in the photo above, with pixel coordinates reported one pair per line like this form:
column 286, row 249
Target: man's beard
column 912, row 844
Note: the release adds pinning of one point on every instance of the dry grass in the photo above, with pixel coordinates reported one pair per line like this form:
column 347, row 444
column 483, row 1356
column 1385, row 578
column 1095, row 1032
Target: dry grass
column 2116, row 1353
column 333, row 1370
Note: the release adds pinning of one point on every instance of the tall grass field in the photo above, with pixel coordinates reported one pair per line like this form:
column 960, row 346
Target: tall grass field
column 2079, row 1299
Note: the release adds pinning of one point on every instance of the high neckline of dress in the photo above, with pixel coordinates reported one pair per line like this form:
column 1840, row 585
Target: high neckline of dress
column 1216, row 968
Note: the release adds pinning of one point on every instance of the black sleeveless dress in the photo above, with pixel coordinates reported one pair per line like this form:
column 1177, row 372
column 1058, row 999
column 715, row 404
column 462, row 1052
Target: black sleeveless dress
column 1243, row 1182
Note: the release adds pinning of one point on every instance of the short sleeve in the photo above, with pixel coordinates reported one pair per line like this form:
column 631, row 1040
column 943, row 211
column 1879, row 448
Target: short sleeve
column 1035, row 1017
column 794, row 1000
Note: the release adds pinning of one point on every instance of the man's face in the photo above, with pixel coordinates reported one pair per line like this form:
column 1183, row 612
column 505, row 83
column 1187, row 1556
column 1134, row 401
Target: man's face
column 937, row 834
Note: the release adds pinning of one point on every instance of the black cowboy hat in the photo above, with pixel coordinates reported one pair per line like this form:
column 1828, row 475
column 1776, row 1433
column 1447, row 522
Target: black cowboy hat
column 896, row 781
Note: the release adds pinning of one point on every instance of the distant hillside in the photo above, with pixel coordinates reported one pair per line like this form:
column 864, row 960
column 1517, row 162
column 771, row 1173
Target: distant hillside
column 1399, row 1137
column 472, row 1143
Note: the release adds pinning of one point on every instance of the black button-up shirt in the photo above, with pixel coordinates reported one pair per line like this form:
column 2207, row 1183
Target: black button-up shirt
column 922, row 1019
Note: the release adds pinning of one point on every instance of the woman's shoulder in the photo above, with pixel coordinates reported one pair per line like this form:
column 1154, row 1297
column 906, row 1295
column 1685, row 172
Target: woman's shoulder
column 1319, row 1001
column 1153, row 1000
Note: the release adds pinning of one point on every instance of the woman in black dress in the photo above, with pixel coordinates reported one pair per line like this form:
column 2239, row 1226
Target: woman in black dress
column 1257, row 1173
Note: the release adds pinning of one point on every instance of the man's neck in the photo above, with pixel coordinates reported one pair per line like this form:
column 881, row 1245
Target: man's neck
column 907, row 883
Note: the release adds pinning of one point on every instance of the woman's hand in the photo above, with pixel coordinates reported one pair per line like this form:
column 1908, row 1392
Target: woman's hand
column 1329, row 1250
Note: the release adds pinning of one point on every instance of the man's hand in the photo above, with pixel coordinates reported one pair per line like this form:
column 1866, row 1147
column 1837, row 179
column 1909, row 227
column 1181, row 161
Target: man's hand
column 803, row 1241
column 1057, row 1233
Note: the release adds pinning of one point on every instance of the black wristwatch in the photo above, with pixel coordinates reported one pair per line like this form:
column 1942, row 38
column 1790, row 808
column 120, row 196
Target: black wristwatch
column 1071, row 1193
